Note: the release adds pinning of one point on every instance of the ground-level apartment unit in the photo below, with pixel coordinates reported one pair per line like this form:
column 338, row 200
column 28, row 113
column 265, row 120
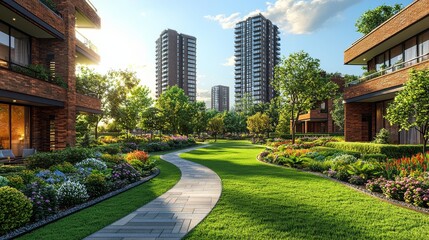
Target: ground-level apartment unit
column 389, row 52
column 40, row 47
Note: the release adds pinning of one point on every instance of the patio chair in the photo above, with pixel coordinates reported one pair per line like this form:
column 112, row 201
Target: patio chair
column 7, row 153
column 28, row 152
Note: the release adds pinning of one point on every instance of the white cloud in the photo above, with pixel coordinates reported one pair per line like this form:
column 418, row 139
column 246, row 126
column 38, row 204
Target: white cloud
column 293, row 16
column 225, row 21
column 229, row 61
column 204, row 95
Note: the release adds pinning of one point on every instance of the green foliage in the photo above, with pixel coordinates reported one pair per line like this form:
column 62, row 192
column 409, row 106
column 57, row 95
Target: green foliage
column 15, row 209
column 113, row 148
column 64, row 167
column 96, row 184
column 258, row 124
column 71, row 193
column 410, row 108
column 382, row 136
column 3, row 181
column 299, row 82
column 137, row 165
column 16, row 181
column 390, row 150
column 151, row 120
column 373, row 18
column 234, row 122
column 374, row 157
column 337, row 112
column 47, row 159
column 216, row 126
column 11, row 168
column 173, row 104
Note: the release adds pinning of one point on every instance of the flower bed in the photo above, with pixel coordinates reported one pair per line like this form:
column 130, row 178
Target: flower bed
column 403, row 179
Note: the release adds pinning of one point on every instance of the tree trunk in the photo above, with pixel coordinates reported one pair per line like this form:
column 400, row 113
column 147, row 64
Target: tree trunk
column 96, row 130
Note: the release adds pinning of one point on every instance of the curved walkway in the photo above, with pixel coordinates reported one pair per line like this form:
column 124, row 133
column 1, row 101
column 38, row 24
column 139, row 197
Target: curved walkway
column 176, row 212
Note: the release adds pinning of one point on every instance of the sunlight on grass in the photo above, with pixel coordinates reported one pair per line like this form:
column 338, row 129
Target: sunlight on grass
column 260, row 201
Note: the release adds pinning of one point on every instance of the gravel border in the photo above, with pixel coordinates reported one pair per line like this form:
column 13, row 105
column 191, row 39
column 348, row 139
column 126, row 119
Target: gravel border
column 361, row 189
column 30, row 227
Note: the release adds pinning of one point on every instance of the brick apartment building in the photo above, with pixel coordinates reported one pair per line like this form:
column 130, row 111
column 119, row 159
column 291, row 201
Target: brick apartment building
column 319, row 120
column 389, row 52
column 38, row 108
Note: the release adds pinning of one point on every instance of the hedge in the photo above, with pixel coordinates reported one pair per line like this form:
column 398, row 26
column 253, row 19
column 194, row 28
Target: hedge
column 390, row 150
column 335, row 150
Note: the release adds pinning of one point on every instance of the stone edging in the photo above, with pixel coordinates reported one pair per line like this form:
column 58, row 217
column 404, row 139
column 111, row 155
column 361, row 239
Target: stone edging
column 59, row 215
column 361, row 189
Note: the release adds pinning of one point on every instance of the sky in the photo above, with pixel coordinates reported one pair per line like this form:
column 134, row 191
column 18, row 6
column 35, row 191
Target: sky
column 322, row 28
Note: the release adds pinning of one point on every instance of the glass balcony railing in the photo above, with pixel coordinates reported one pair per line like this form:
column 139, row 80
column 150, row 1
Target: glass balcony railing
column 388, row 70
column 86, row 41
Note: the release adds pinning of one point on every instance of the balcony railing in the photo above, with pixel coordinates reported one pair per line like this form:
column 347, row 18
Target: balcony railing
column 86, row 41
column 390, row 69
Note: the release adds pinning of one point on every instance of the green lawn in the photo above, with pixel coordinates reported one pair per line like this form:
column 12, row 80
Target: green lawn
column 87, row 221
column 261, row 201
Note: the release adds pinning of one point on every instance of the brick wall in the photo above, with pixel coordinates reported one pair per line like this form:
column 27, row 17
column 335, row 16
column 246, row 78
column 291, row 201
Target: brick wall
column 411, row 14
column 355, row 127
column 88, row 102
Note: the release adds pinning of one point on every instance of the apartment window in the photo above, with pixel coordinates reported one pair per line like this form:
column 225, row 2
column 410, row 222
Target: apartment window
column 410, row 51
column 14, row 128
column 323, row 107
column 424, row 46
column 14, row 44
column 396, row 55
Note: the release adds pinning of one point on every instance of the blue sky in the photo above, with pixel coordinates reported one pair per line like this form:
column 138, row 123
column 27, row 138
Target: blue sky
column 323, row 28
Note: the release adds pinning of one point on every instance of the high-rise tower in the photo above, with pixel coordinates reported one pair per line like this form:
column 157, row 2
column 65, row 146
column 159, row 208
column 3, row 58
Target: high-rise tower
column 257, row 51
column 176, row 62
column 220, row 98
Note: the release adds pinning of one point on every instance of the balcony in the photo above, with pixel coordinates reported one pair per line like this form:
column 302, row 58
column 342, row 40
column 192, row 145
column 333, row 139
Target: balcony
column 86, row 51
column 86, row 14
column 389, row 70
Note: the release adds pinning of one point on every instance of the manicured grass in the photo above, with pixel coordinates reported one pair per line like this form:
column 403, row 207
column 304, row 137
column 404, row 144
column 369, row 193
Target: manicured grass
column 88, row 221
column 261, row 201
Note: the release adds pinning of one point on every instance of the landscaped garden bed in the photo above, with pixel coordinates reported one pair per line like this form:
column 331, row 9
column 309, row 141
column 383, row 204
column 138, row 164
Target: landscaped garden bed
column 53, row 184
column 402, row 179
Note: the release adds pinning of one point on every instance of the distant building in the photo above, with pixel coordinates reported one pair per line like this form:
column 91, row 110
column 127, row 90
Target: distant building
column 257, row 51
column 220, row 98
column 389, row 52
column 176, row 62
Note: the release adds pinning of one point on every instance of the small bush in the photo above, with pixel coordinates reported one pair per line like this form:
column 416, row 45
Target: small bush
column 345, row 158
column 156, row 147
column 16, row 181
column 116, row 159
column 382, row 136
column 137, row 164
column 125, row 171
column 96, row 184
column 318, row 166
column 374, row 157
column 357, row 180
column 92, row 163
column 15, row 209
column 27, row 176
column 149, row 165
column 374, row 185
column 71, row 193
column 52, row 177
column 138, row 155
column 64, row 167
column 43, row 160
column 3, row 181
column 109, row 148
column 77, row 154
column 43, row 198
column 11, row 169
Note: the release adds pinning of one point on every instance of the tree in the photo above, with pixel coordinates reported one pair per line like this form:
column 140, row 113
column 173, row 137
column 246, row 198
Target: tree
column 283, row 126
column 373, row 18
column 200, row 118
column 215, row 126
column 258, row 124
column 410, row 108
column 135, row 102
column 299, row 82
column 337, row 112
column 173, row 106
column 234, row 122
column 151, row 120
column 90, row 83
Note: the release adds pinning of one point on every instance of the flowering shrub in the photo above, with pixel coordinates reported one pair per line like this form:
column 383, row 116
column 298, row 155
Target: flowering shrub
column 156, row 146
column 296, row 152
column 125, row 171
column 357, row 180
column 345, row 158
column 137, row 155
column 406, row 166
column 52, row 177
column 91, row 163
column 43, row 198
column 374, row 185
column 71, row 193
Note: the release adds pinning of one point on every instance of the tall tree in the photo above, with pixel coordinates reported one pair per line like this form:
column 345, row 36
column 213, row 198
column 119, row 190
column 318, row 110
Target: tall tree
column 151, row 120
column 91, row 83
column 337, row 112
column 200, row 118
column 215, row 126
column 234, row 122
column 173, row 104
column 410, row 108
column 373, row 18
column 298, row 80
column 258, row 124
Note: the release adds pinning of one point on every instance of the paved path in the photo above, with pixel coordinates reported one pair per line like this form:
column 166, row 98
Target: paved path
column 176, row 212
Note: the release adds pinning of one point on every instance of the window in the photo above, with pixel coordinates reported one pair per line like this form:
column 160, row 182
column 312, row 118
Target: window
column 4, row 45
column 424, row 46
column 323, row 107
column 14, row 128
column 396, row 55
column 410, row 51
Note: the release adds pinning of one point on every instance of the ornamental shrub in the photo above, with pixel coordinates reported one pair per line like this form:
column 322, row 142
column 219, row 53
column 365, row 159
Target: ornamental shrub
column 374, row 157
column 108, row 158
column 345, row 158
column 136, row 164
column 64, row 167
column 125, row 171
column 71, row 193
column 92, row 163
column 11, row 169
column 390, row 150
column 3, row 181
column 109, row 148
column 96, row 184
column 149, row 165
column 357, row 180
column 382, row 137
column 75, row 155
column 54, row 177
column 27, row 176
column 15, row 209
column 43, row 198
column 374, row 185
column 138, row 155
column 44, row 160
column 16, row 181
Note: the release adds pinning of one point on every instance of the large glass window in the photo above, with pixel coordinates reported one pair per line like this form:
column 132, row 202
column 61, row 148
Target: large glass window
column 396, row 55
column 4, row 45
column 14, row 128
column 424, row 46
column 410, row 51
column 20, row 48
